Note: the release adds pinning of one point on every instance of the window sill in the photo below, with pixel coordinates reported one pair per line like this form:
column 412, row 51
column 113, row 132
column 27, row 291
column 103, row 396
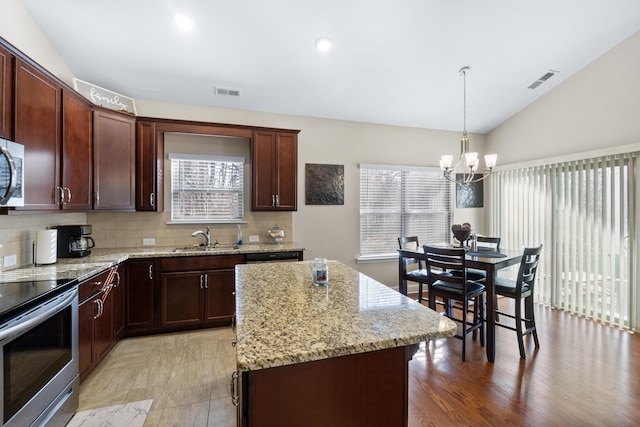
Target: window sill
column 365, row 259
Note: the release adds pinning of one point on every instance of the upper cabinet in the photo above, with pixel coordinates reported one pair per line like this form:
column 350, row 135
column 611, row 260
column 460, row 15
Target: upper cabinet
column 77, row 142
column 6, row 93
column 113, row 160
column 149, row 167
column 274, row 165
column 37, row 126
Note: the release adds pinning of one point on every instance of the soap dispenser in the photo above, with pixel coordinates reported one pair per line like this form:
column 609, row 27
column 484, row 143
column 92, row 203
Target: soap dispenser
column 239, row 242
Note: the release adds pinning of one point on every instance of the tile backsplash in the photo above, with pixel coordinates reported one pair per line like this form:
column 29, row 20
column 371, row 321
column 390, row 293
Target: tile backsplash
column 127, row 229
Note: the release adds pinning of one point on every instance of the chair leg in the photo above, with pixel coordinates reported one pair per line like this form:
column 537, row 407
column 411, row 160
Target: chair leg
column 531, row 324
column 481, row 318
column 464, row 330
column 420, row 292
column 518, row 316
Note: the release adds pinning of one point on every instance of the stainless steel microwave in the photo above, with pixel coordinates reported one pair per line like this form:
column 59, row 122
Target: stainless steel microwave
column 11, row 173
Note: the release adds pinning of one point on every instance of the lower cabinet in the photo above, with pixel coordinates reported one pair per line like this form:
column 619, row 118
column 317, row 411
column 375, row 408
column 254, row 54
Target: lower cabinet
column 96, row 333
column 140, row 296
column 202, row 296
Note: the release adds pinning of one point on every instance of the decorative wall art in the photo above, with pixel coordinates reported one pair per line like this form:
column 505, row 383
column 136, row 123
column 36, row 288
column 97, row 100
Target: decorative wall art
column 324, row 184
column 470, row 195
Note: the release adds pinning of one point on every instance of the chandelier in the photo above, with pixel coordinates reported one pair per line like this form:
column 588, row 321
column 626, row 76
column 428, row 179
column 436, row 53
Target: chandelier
column 469, row 171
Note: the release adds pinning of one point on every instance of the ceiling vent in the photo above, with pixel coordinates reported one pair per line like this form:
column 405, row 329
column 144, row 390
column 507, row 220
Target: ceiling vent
column 226, row 91
column 543, row 79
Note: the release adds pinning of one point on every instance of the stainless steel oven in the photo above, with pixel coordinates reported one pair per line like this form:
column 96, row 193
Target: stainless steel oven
column 39, row 366
column 11, row 173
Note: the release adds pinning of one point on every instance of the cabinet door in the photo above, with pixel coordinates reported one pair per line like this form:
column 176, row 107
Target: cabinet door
column 181, row 299
column 86, row 313
column 113, row 161
column 149, row 168
column 77, row 152
column 118, row 291
column 263, row 171
column 104, row 327
column 220, row 302
column 140, row 295
column 6, row 94
column 286, row 171
column 37, row 126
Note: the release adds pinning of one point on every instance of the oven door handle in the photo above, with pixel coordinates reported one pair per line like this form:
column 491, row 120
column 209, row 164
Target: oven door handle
column 14, row 176
column 38, row 315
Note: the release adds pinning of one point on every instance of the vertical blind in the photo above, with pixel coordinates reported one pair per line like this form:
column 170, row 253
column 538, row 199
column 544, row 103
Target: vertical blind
column 402, row 201
column 206, row 188
column 583, row 212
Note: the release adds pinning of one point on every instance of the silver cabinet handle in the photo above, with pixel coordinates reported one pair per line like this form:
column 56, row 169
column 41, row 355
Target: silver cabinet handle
column 277, row 200
column 151, row 272
column 61, row 195
column 152, row 200
column 234, row 342
column 206, row 281
column 68, row 190
column 99, row 308
column 115, row 285
column 97, row 196
column 273, row 200
column 233, row 322
column 234, row 388
column 201, row 281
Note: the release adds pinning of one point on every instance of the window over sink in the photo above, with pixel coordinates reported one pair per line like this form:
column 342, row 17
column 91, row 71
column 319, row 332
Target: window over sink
column 206, row 188
column 402, row 201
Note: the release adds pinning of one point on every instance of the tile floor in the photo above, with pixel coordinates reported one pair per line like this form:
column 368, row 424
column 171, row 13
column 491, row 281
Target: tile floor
column 186, row 374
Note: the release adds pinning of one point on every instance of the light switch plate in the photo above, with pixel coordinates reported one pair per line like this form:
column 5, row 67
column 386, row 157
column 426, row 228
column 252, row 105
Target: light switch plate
column 10, row 260
column 148, row 241
column 254, row 239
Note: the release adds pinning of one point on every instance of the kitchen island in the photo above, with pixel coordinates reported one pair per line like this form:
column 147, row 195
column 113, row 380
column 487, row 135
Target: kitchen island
column 333, row 355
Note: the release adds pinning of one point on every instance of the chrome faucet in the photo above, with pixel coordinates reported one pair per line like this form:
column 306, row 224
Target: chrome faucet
column 206, row 235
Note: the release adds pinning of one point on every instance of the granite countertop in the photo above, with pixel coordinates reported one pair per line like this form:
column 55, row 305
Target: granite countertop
column 102, row 259
column 283, row 319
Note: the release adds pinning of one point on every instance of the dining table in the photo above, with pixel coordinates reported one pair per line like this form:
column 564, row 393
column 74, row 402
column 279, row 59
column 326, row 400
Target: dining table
column 487, row 259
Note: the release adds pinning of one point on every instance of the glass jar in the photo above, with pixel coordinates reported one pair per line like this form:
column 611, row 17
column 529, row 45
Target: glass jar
column 320, row 272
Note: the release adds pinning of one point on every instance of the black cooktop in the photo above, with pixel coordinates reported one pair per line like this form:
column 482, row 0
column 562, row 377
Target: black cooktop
column 17, row 296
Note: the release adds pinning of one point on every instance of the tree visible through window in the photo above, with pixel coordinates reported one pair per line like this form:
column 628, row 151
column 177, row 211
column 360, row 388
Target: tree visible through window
column 402, row 201
column 206, row 188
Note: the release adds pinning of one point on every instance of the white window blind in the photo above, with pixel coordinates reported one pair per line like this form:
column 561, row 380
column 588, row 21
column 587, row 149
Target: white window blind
column 584, row 213
column 400, row 201
column 206, row 188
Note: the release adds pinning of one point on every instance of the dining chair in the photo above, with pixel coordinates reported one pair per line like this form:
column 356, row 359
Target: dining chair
column 521, row 289
column 413, row 268
column 489, row 243
column 458, row 288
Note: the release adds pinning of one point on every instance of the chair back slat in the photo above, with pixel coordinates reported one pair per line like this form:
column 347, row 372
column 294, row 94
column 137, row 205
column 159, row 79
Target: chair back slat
column 490, row 240
column 528, row 269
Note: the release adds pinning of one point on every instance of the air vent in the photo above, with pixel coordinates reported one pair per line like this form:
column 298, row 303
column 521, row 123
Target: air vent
column 543, row 79
column 226, row 91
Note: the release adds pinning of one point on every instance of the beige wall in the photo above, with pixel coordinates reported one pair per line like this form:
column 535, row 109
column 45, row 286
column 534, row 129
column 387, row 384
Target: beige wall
column 596, row 108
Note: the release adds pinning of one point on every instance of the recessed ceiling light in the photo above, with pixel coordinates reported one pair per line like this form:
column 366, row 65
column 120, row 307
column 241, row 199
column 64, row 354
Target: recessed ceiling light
column 183, row 21
column 323, row 44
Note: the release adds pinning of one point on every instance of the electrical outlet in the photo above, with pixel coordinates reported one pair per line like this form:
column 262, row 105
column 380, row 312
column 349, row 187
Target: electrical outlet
column 254, row 239
column 10, row 260
column 148, row 241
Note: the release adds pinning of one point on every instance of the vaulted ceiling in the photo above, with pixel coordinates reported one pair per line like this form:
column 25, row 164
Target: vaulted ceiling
column 391, row 61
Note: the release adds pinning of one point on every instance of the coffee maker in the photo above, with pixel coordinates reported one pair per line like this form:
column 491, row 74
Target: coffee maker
column 74, row 241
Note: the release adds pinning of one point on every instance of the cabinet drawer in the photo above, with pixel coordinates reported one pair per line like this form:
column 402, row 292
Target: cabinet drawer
column 201, row 262
column 93, row 285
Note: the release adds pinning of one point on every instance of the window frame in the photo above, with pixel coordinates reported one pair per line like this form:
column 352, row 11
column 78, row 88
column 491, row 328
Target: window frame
column 209, row 158
column 405, row 215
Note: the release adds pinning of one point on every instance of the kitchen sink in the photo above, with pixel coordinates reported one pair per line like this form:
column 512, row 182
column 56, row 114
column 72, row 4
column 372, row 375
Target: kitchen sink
column 206, row 248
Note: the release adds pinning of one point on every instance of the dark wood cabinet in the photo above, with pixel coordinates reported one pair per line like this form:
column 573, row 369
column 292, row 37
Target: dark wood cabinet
column 113, row 160
column 77, row 142
column 37, row 126
column 140, row 296
column 197, row 291
column 119, row 306
column 6, row 93
column 274, row 159
column 149, row 167
column 98, row 298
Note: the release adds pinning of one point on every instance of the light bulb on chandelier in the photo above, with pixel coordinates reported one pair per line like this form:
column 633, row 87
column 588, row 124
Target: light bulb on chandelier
column 471, row 161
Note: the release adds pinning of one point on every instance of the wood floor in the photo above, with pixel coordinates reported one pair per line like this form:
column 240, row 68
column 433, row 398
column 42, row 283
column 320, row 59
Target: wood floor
column 584, row 374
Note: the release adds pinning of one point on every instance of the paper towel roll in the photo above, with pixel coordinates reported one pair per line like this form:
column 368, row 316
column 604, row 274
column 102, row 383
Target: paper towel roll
column 46, row 246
